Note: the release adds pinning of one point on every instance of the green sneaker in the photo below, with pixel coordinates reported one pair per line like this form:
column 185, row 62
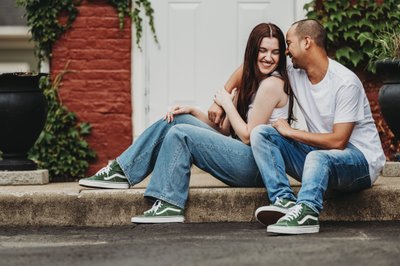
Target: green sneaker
column 267, row 215
column 110, row 176
column 161, row 212
column 300, row 220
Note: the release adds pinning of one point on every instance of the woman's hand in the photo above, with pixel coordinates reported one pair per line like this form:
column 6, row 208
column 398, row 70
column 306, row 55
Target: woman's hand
column 177, row 110
column 222, row 97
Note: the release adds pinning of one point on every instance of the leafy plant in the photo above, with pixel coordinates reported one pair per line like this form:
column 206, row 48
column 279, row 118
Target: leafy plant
column 124, row 10
column 387, row 46
column 43, row 18
column 61, row 148
column 353, row 28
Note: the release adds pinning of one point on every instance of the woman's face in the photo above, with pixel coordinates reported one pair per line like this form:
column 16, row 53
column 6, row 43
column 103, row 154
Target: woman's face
column 268, row 55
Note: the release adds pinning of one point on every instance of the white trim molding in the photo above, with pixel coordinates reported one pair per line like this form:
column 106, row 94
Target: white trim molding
column 15, row 37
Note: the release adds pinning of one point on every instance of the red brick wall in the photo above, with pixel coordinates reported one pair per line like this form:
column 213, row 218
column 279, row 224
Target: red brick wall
column 98, row 89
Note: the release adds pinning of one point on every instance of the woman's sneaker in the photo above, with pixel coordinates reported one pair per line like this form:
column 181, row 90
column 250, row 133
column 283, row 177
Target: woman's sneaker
column 300, row 220
column 110, row 176
column 161, row 212
column 267, row 215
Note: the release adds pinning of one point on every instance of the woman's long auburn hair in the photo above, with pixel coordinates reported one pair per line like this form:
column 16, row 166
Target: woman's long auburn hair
column 252, row 76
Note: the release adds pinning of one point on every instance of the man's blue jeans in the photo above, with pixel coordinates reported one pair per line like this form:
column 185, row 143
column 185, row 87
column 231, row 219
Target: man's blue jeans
column 344, row 170
column 169, row 150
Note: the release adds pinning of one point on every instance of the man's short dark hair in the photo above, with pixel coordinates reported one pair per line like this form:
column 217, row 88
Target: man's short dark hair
column 312, row 28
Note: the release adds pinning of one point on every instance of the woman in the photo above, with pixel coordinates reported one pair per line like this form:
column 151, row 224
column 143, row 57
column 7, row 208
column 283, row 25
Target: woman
column 185, row 136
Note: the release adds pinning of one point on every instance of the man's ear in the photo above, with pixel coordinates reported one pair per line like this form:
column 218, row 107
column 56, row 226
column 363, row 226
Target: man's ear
column 307, row 42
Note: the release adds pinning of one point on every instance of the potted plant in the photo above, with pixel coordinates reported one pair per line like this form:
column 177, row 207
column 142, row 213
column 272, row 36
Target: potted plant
column 386, row 57
column 23, row 110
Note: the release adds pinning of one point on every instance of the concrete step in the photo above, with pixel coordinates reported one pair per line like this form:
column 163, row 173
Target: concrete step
column 68, row 204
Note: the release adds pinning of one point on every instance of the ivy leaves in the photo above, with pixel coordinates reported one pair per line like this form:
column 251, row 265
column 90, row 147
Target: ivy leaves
column 43, row 18
column 351, row 29
column 124, row 10
column 136, row 18
column 61, row 147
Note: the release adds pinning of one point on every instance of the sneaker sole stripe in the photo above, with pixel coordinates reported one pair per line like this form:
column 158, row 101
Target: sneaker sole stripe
column 293, row 230
column 156, row 220
column 302, row 221
column 168, row 209
column 115, row 175
column 102, row 184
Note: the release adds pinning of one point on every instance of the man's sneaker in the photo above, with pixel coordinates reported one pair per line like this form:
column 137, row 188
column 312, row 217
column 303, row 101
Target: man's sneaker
column 161, row 212
column 267, row 215
column 301, row 219
column 110, row 176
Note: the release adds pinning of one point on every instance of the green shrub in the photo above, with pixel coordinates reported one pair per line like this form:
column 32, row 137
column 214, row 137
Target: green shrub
column 387, row 46
column 61, row 147
column 353, row 29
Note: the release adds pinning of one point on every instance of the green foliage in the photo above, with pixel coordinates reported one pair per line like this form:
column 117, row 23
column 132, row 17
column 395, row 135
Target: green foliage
column 124, row 10
column 61, row 148
column 387, row 46
column 352, row 30
column 43, row 18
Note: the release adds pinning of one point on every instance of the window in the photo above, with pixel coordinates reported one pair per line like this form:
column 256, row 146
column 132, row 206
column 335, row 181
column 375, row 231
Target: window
column 16, row 49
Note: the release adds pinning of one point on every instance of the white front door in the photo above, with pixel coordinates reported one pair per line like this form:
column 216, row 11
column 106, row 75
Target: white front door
column 201, row 43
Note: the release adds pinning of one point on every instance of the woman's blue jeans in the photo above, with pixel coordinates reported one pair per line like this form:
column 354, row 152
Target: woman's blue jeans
column 343, row 170
column 169, row 150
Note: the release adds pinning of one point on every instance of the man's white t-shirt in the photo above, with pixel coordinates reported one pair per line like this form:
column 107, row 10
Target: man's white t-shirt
column 339, row 98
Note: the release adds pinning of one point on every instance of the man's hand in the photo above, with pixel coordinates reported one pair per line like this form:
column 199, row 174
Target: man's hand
column 283, row 127
column 216, row 114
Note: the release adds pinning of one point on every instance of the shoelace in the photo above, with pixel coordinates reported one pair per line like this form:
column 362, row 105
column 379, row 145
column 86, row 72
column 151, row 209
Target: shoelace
column 155, row 207
column 104, row 170
column 293, row 214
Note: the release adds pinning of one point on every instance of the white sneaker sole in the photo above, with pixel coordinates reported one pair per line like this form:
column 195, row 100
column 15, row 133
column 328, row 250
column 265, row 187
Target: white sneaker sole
column 267, row 215
column 103, row 184
column 157, row 220
column 293, row 230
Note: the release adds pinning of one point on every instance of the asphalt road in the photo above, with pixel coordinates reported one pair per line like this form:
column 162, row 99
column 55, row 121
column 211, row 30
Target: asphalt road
column 364, row 244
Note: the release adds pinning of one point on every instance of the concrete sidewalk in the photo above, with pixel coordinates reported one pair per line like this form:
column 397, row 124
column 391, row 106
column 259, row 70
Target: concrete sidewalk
column 68, row 204
column 204, row 244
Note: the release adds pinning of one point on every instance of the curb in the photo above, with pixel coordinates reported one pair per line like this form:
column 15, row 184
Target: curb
column 68, row 204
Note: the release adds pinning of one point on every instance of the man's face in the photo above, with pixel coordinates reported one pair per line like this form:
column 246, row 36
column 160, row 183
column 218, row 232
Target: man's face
column 293, row 49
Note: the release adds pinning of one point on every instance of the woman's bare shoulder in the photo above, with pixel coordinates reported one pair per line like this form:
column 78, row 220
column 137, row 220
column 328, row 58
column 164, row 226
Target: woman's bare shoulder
column 271, row 84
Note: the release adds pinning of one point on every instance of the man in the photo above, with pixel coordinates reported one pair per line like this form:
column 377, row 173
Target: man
column 341, row 149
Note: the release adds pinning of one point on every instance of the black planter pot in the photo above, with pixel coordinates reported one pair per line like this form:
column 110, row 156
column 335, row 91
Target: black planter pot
column 23, row 111
column 389, row 94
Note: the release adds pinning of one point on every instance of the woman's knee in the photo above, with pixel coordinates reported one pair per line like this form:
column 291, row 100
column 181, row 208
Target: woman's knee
column 179, row 131
column 185, row 119
column 261, row 133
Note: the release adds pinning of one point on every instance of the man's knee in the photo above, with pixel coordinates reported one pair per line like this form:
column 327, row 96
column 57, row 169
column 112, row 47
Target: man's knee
column 318, row 158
